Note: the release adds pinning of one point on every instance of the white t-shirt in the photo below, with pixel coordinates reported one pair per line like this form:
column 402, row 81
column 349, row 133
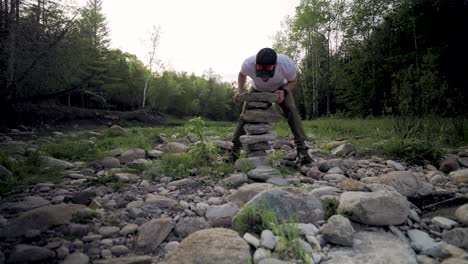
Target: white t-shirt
column 285, row 71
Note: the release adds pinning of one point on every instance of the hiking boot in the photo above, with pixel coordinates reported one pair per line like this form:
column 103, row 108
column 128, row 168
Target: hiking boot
column 304, row 157
column 233, row 155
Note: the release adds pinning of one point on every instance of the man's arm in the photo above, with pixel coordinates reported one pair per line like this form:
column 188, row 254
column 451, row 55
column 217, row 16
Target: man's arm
column 289, row 86
column 241, row 79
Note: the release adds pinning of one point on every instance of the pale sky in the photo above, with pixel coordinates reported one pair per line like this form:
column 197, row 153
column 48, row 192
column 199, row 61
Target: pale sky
column 197, row 35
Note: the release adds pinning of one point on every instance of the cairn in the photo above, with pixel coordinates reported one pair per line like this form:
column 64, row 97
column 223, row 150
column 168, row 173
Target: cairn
column 258, row 116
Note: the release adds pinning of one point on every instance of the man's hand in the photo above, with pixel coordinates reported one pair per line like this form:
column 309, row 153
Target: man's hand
column 280, row 94
column 235, row 97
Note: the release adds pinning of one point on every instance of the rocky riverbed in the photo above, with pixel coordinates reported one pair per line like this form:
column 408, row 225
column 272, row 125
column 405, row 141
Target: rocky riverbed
column 347, row 210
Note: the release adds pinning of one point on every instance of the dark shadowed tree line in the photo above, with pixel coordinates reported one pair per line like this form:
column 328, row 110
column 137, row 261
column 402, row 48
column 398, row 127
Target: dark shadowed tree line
column 55, row 53
column 379, row 57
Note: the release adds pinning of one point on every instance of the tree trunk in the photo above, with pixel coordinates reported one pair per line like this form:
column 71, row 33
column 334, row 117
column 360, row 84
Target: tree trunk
column 144, row 93
column 11, row 47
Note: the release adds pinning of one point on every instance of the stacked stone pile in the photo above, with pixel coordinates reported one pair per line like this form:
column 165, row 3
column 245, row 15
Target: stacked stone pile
column 258, row 116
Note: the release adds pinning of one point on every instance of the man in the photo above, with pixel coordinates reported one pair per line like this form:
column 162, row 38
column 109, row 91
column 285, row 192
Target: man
column 277, row 74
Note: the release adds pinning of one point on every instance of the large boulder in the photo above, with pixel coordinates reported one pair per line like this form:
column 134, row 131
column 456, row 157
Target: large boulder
column 406, row 183
column 40, row 219
column 374, row 208
column 371, row 248
column 211, row 246
column 247, row 192
column 460, row 176
column 152, row 233
column 132, row 154
column 288, row 204
column 31, row 254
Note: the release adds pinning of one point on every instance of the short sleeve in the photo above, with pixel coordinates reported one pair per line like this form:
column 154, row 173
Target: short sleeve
column 290, row 70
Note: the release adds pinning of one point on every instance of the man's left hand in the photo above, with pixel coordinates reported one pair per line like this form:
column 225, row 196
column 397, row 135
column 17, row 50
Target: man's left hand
column 280, row 94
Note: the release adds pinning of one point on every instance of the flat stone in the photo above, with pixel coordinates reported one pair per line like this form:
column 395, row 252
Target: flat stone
column 259, row 146
column 397, row 166
column 255, row 129
column 371, row 248
column 41, row 219
column 263, row 173
column 131, row 155
column 338, row 230
column 76, row 258
column 343, row 150
column 152, row 233
column 211, row 246
column 406, row 183
column 234, row 180
column 31, row 254
column 247, row 192
column 251, row 240
column 221, row 215
column 161, row 201
column 28, row 203
column 189, row 225
column 128, row 229
column 444, row 222
column 261, row 116
column 126, row 260
column 375, row 208
column 462, row 214
column 258, row 97
column 254, row 139
column 127, row 177
column 56, row 163
column 460, row 176
column 109, row 231
column 258, row 105
column 457, row 237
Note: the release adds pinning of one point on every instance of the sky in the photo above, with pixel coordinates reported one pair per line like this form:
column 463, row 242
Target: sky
column 197, row 35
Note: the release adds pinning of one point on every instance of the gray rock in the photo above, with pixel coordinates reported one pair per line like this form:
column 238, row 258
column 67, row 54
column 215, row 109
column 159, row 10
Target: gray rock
column 247, row 192
column 457, row 237
column 263, row 173
column 326, row 165
column 155, row 153
column 254, row 139
column 420, row 240
column 189, row 225
column 109, row 231
column 28, row 203
column 181, row 183
column 462, row 214
column 175, row 147
column 325, row 190
column 40, row 219
column 127, row 177
column 343, row 150
column 4, row 172
column 258, row 97
column 77, row 230
column 170, row 247
column 449, row 165
column 161, row 201
column 84, row 197
column 116, row 130
column 375, row 208
column 463, row 161
column 126, row 260
column 444, row 222
column 255, row 129
column 268, row 239
column 336, row 178
column 119, row 250
column 221, row 215
column 338, row 230
column 260, row 254
column 406, row 183
column 131, row 155
column 110, row 162
column 262, row 146
column 76, row 258
column 251, row 240
column 31, row 254
column 139, row 164
column 371, row 248
column 258, row 105
column 128, row 229
column 288, row 203
column 460, row 176
column 273, row 261
column 211, row 246
column 234, row 180
column 153, row 232
column 56, row 163
column 397, row 166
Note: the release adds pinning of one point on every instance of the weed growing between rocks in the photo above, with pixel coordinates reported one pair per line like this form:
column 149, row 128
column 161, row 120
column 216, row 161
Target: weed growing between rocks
column 24, row 172
column 254, row 219
column 330, row 206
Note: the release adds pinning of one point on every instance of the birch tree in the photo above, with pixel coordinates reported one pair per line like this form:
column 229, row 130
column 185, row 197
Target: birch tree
column 154, row 42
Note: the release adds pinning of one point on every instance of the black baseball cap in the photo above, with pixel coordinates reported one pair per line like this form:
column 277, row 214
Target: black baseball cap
column 266, row 57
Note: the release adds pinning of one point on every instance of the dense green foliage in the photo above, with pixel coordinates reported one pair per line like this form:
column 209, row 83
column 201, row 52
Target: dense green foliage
column 368, row 57
column 54, row 52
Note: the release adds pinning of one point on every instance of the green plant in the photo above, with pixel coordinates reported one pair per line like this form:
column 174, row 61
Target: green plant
column 118, row 185
column 84, row 217
column 289, row 246
column 203, row 151
column 177, row 165
column 72, row 151
column 413, row 150
column 330, row 206
column 253, row 219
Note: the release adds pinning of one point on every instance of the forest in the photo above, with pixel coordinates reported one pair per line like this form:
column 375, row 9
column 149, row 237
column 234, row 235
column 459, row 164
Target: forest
column 361, row 58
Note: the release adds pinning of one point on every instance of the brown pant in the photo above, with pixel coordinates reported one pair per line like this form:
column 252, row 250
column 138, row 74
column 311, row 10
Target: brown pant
column 288, row 107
